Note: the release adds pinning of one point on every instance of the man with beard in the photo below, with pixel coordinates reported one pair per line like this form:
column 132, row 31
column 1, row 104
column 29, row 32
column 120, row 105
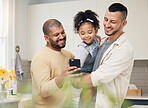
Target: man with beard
column 114, row 61
column 49, row 69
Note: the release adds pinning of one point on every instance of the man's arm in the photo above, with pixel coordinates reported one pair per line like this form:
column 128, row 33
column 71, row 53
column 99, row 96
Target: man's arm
column 68, row 73
column 83, row 82
column 108, row 71
column 86, row 81
column 40, row 70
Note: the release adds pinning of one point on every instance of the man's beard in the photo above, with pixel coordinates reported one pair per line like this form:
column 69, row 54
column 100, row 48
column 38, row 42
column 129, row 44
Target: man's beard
column 55, row 44
column 113, row 32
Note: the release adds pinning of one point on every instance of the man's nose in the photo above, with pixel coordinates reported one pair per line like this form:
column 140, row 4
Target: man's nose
column 108, row 24
column 62, row 36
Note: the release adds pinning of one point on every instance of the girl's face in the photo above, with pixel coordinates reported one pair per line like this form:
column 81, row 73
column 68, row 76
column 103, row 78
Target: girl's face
column 87, row 32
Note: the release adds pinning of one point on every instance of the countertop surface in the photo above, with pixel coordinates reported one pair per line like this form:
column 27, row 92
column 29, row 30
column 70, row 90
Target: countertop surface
column 16, row 98
column 137, row 97
column 139, row 106
column 137, row 101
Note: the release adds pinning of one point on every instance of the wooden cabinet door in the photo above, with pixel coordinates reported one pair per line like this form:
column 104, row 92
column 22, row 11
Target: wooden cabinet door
column 37, row 15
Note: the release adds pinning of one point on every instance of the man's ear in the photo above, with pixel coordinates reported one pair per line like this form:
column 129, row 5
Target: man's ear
column 124, row 23
column 46, row 37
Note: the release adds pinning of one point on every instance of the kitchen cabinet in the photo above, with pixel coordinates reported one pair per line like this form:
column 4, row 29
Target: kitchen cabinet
column 38, row 14
column 136, row 28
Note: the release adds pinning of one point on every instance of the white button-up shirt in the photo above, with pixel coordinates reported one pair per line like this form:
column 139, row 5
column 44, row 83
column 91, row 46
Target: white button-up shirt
column 113, row 75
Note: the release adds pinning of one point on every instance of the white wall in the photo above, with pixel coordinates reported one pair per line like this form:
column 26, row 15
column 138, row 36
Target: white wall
column 21, row 26
column 21, row 23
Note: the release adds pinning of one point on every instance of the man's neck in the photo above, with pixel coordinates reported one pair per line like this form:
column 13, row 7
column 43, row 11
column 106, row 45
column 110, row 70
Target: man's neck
column 53, row 48
column 114, row 37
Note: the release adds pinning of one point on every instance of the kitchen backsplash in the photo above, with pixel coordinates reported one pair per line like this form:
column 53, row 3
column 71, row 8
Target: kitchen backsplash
column 24, row 86
column 139, row 75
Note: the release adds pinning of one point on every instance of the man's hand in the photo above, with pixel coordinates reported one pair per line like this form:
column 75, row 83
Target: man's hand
column 68, row 73
column 83, row 82
column 86, row 81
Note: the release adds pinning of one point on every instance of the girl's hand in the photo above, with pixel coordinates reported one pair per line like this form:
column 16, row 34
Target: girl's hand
column 98, row 37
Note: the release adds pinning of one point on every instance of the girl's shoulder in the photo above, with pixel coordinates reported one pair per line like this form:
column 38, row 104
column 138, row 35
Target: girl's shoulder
column 82, row 44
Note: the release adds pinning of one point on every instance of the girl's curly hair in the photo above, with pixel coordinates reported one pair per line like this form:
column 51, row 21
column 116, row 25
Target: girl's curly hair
column 86, row 16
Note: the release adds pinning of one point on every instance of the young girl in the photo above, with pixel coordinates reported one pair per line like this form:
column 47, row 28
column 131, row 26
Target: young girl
column 86, row 25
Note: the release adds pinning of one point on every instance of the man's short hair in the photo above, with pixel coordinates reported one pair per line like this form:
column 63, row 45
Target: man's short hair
column 50, row 23
column 119, row 7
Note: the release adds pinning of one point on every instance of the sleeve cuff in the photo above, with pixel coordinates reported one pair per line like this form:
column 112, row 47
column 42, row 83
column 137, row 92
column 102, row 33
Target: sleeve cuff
column 94, row 79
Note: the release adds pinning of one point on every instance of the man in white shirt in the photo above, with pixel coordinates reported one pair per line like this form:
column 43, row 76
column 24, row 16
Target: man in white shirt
column 114, row 62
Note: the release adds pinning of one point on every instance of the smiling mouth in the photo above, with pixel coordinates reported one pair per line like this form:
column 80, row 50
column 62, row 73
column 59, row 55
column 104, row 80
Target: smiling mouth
column 87, row 40
column 61, row 41
column 108, row 29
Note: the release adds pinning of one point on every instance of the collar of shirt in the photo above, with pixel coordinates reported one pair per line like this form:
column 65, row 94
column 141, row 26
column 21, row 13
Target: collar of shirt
column 120, row 40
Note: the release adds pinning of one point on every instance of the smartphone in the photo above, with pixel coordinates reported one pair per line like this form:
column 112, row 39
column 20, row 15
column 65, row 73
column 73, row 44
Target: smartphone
column 74, row 62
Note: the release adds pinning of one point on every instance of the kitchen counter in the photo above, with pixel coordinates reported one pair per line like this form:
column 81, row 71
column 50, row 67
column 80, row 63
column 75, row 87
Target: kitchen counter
column 139, row 106
column 135, row 100
column 137, row 97
column 25, row 100
column 17, row 101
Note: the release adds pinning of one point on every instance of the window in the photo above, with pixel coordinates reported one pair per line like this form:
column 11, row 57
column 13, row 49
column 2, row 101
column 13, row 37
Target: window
column 7, row 33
